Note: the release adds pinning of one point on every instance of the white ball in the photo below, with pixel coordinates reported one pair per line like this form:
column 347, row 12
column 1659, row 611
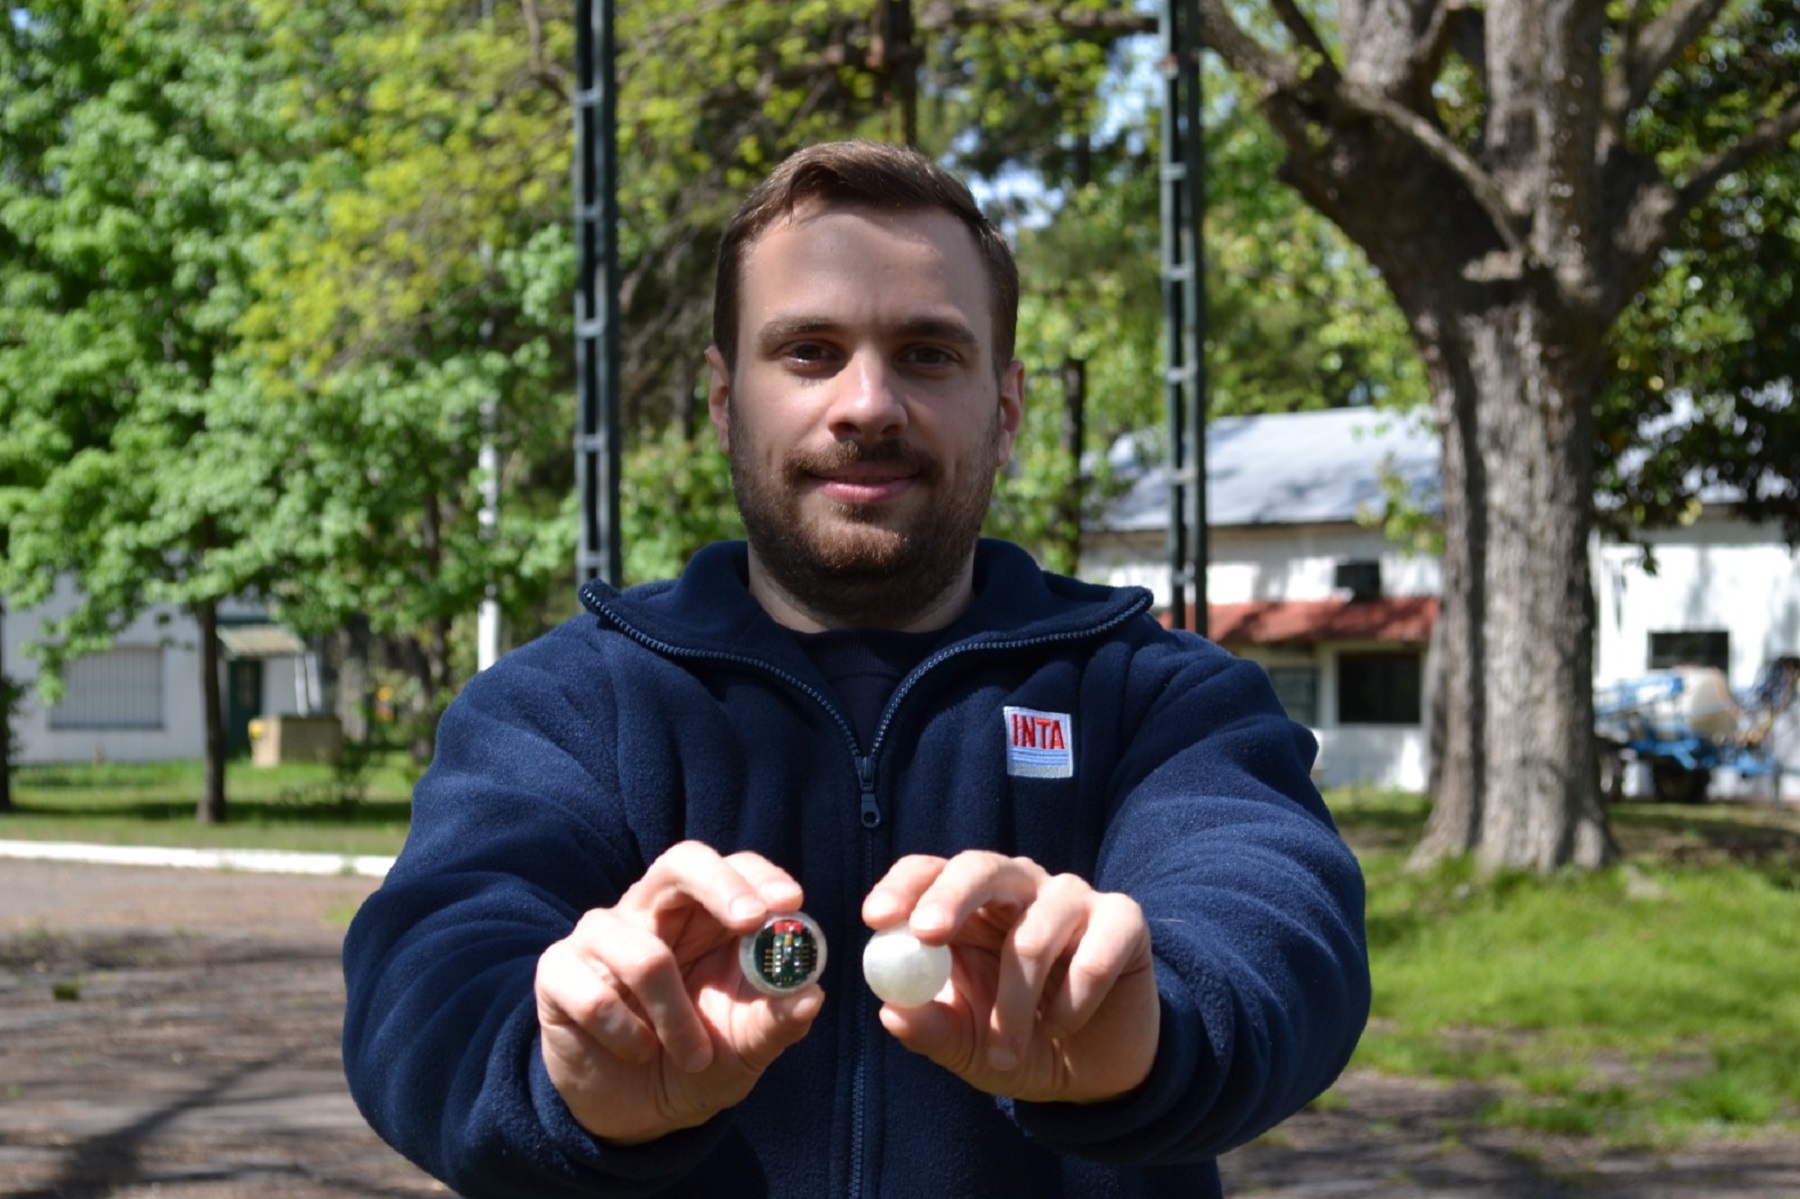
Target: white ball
column 902, row 970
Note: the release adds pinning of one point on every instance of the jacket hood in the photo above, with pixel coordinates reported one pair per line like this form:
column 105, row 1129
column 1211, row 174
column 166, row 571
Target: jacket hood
column 710, row 603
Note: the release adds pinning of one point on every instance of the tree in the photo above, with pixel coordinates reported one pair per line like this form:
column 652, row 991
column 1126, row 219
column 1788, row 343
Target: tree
column 1701, row 383
column 9, row 696
column 412, row 309
column 1499, row 166
column 131, row 180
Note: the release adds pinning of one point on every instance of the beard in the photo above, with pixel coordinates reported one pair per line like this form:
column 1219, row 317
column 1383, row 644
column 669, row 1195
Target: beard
column 859, row 565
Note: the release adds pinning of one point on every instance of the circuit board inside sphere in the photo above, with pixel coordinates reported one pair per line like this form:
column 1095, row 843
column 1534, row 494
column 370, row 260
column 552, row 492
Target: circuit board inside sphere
column 787, row 953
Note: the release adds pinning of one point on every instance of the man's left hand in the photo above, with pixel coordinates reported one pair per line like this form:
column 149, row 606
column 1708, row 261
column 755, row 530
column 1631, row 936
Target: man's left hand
column 1053, row 996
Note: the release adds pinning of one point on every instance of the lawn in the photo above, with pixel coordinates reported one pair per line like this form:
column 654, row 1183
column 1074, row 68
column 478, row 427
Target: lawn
column 1639, row 1003
column 291, row 807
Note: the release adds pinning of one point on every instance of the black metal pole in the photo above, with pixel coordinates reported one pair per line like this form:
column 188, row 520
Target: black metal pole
column 1184, row 307
column 597, row 434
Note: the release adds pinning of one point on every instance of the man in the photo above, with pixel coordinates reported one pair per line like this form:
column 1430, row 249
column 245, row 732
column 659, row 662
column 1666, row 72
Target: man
column 870, row 714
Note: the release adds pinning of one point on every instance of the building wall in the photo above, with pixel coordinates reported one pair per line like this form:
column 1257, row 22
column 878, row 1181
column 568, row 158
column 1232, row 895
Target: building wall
column 1288, row 562
column 163, row 636
column 1717, row 574
column 1262, row 563
column 1382, row 755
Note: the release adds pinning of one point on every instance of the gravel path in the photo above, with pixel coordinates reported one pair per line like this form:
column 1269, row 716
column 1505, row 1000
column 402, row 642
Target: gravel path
column 174, row 1033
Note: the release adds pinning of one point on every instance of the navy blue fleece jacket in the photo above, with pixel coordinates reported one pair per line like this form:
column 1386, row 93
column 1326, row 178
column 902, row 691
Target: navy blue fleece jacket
column 679, row 710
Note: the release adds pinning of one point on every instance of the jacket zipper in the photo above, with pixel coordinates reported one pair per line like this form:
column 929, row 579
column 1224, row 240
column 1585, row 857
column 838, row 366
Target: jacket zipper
column 871, row 818
column 869, row 805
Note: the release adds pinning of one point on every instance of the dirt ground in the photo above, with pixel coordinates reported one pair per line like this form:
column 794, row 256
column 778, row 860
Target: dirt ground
column 174, row 1033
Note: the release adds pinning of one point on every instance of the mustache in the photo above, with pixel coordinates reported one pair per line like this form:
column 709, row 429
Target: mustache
column 902, row 455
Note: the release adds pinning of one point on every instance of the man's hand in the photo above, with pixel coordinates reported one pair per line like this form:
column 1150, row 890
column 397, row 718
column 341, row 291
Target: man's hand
column 648, row 1024
column 1053, row 992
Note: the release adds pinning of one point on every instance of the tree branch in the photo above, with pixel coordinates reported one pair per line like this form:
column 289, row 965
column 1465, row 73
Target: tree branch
column 1435, row 42
column 1296, row 23
column 1773, row 132
column 1243, row 53
column 1278, row 74
column 1656, row 207
column 964, row 14
column 1482, row 187
column 1648, row 51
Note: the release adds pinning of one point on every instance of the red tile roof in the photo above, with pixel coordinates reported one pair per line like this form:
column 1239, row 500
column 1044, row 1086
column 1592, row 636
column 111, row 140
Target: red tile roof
column 1404, row 619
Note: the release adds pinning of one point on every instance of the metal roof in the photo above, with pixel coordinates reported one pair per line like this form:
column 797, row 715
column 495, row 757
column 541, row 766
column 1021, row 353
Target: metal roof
column 1286, row 469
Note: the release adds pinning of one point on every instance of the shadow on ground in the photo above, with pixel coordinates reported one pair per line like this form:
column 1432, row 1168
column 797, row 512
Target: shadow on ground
column 137, row 1060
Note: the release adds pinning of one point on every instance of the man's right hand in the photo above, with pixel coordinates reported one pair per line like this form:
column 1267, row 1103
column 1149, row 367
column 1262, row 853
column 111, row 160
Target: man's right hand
column 648, row 1024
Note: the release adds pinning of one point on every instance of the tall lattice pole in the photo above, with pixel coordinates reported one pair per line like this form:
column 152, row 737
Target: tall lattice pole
column 597, row 434
column 1184, row 307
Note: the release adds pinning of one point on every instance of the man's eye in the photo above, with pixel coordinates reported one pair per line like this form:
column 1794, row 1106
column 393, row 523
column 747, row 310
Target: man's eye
column 930, row 356
column 807, row 351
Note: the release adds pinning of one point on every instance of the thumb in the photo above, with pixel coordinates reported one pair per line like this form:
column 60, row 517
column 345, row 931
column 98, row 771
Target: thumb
column 782, row 1022
column 929, row 1030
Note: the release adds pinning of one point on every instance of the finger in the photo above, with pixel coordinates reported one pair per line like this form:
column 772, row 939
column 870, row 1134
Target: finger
column 891, row 900
column 789, row 1018
column 773, row 885
column 1116, row 940
column 932, row 1032
column 972, row 881
column 693, row 873
column 1032, row 955
column 647, row 970
column 573, row 993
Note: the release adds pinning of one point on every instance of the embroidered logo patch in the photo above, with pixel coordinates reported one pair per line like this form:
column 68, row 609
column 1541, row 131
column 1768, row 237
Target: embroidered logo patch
column 1039, row 745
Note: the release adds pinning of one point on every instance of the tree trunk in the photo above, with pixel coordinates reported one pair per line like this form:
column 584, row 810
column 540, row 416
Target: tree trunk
column 1066, row 529
column 895, row 54
column 211, row 809
column 1517, row 784
column 437, row 683
column 435, row 674
column 6, row 721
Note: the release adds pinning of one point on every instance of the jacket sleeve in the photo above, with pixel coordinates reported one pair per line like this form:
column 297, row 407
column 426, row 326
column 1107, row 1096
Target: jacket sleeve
column 517, row 829
column 1255, row 907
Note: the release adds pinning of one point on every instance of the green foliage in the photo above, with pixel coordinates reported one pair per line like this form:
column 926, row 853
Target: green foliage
column 676, row 497
column 133, row 175
column 1297, row 317
column 410, row 312
column 1701, row 390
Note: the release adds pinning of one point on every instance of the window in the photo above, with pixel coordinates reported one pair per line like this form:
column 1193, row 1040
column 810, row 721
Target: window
column 1691, row 647
column 118, row 689
column 1298, row 689
column 1362, row 579
column 1380, row 687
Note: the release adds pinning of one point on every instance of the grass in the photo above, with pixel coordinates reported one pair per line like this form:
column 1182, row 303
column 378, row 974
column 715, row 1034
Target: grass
column 288, row 807
column 1642, row 1003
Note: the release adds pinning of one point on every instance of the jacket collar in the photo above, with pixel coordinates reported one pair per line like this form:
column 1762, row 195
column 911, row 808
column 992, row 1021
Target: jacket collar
column 710, row 605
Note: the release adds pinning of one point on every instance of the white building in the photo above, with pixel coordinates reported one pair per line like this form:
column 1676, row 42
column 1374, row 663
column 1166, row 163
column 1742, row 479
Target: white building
column 139, row 700
column 1341, row 617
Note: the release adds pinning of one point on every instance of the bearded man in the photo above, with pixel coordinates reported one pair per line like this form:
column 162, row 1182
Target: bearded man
column 867, row 712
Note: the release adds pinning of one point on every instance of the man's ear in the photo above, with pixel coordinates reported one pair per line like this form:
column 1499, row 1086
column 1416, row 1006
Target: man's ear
column 718, row 396
column 1012, row 409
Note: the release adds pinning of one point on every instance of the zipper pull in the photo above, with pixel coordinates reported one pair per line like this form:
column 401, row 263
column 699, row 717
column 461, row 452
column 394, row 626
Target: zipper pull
column 865, row 775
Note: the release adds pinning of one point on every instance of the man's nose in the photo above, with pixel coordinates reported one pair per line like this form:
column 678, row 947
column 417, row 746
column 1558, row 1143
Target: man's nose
column 867, row 403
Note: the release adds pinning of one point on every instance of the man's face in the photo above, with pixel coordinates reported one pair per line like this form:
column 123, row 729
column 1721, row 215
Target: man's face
column 865, row 419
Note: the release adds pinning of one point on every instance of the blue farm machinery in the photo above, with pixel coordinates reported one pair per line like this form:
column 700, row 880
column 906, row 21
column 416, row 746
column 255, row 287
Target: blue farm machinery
column 1685, row 722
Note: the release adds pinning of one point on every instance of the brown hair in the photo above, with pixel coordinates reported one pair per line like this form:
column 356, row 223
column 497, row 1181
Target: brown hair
column 863, row 174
